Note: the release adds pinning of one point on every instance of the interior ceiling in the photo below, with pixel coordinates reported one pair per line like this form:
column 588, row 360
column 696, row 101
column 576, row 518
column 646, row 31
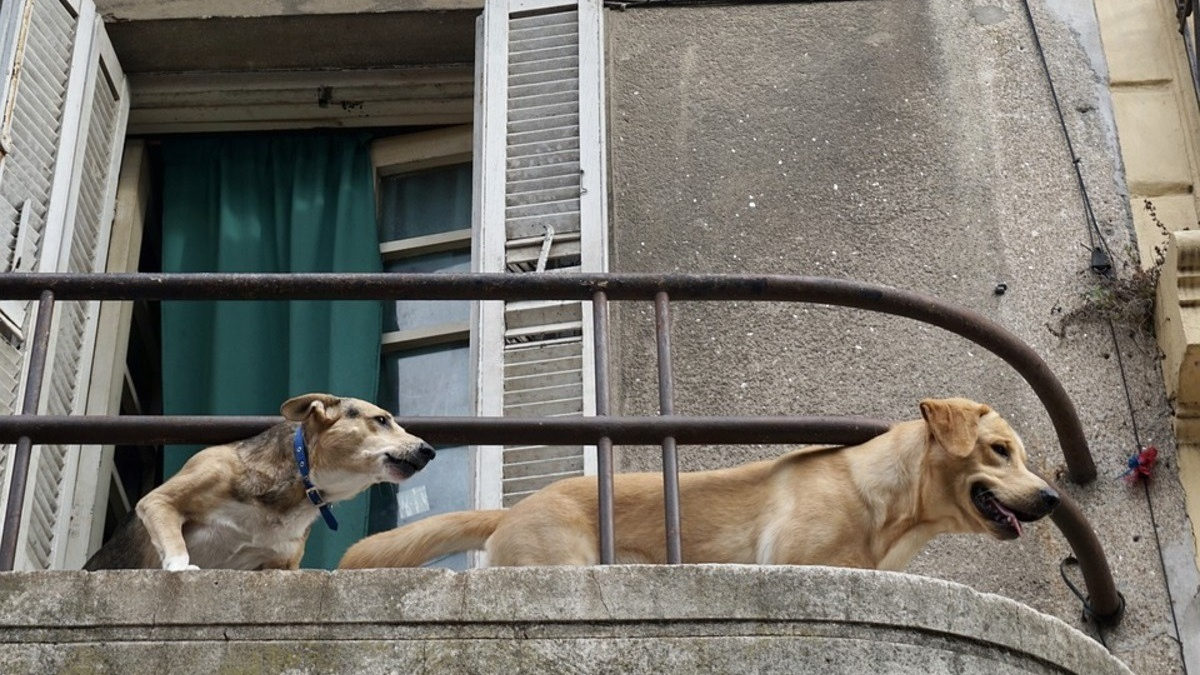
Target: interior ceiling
column 312, row 42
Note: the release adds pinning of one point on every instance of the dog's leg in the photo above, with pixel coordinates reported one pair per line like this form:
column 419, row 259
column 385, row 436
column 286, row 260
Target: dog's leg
column 201, row 485
column 164, row 523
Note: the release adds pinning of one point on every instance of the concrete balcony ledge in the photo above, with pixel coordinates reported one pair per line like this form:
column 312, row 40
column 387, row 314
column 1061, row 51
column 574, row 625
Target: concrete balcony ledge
column 620, row 619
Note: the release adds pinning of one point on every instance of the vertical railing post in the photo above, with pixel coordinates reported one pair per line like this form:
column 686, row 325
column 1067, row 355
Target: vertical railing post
column 666, row 406
column 604, row 447
column 15, row 506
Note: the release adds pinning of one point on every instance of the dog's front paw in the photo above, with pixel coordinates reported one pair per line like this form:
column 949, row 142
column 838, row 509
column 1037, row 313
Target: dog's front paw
column 178, row 563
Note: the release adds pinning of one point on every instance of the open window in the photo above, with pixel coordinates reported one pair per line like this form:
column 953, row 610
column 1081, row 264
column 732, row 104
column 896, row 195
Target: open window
column 521, row 190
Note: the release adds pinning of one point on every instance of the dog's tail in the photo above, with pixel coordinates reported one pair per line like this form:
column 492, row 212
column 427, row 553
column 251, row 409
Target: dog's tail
column 417, row 543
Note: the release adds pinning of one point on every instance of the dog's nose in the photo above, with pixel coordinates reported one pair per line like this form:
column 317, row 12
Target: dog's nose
column 1049, row 499
column 426, row 452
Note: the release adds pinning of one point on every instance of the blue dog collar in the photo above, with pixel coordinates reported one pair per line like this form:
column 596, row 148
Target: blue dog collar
column 300, row 451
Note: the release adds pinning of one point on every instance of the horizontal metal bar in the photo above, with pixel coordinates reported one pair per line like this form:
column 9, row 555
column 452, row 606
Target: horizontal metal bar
column 408, row 286
column 415, row 286
column 689, row 430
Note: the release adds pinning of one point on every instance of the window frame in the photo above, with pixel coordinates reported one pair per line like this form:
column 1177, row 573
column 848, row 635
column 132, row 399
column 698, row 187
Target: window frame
column 407, row 153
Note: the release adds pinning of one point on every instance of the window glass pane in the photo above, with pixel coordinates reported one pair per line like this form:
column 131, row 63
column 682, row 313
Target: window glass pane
column 408, row 314
column 425, row 202
column 432, row 381
column 429, row 382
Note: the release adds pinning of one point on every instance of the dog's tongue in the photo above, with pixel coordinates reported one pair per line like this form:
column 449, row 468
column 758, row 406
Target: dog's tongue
column 1012, row 518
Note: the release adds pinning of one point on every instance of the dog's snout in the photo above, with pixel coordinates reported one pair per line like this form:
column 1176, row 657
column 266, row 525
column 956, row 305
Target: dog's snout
column 426, row 452
column 1049, row 498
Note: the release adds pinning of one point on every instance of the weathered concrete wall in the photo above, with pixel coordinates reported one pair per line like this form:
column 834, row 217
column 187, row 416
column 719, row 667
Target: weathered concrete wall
column 915, row 144
column 696, row 619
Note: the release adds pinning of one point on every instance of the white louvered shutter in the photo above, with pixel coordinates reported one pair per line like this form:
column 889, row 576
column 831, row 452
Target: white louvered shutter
column 540, row 210
column 79, row 223
column 31, row 128
column 95, row 472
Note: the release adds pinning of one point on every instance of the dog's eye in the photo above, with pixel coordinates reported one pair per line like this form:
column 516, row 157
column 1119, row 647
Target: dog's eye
column 1000, row 449
column 383, row 421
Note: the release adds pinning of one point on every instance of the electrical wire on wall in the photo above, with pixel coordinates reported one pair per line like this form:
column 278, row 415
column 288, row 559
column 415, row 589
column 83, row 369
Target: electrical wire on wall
column 1101, row 265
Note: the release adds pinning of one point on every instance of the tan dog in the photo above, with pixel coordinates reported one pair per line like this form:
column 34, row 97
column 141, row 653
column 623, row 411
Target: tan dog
column 244, row 505
column 959, row 469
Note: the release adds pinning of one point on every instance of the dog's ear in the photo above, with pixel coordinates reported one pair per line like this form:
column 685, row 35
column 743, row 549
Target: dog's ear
column 954, row 423
column 315, row 405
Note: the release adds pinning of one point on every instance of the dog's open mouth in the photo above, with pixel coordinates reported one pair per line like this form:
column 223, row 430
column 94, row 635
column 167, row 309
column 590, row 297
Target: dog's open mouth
column 404, row 466
column 1007, row 521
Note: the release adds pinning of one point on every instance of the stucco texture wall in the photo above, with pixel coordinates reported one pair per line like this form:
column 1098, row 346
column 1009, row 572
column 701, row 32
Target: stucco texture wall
column 909, row 143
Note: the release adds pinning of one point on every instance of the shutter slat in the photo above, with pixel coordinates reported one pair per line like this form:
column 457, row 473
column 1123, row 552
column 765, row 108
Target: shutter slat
column 549, row 196
column 536, row 225
column 534, row 483
column 541, row 468
column 518, row 176
column 543, row 352
column 528, row 453
column 566, row 407
column 559, row 146
column 548, row 394
column 536, row 98
column 542, row 135
column 532, row 313
column 551, row 117
column 568, row 17
column 572, row 362
column 565, row 62
column 518, row 188
column 562, row 161
column 533, row 59
column 525, row 41
column 565, row 83
column 543, row 116
column 549, row 377
column 543, row 209
column 542, row 331
column 544, row 73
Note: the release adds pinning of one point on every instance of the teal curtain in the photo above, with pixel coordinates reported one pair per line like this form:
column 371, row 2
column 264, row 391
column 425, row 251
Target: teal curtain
column 272, row 203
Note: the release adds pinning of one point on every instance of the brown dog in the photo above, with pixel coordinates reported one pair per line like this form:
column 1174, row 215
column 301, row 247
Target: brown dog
column 960, row 468
column 248, row 505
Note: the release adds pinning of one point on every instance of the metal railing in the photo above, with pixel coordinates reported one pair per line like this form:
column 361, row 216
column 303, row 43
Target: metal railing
column 604, row 431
